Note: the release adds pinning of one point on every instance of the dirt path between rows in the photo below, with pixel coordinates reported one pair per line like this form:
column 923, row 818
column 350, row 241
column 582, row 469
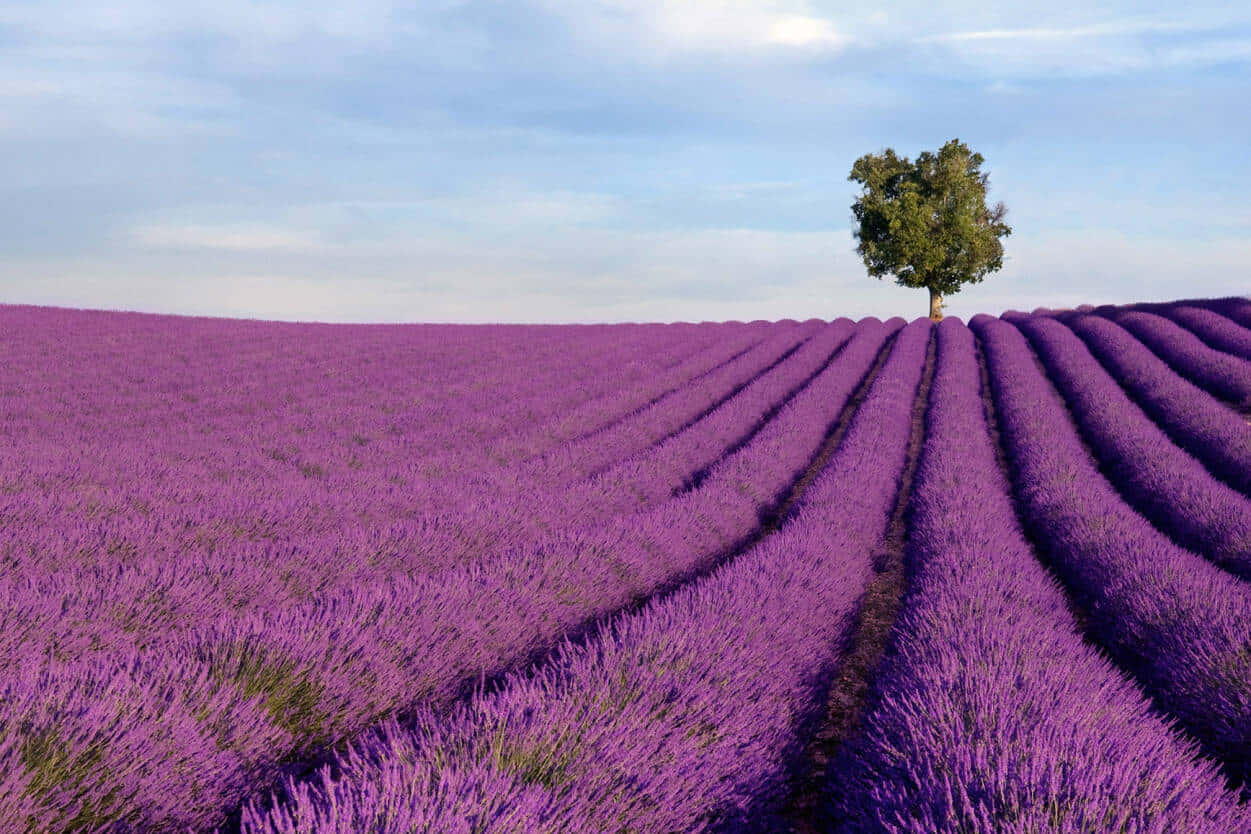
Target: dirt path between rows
column 866, row 644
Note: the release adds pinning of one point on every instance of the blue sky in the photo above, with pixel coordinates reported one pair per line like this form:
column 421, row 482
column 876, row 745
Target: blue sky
column 603, row 160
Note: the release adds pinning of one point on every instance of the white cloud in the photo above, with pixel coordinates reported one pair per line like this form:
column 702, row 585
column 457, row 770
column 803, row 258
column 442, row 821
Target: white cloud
column 1217, row 51
column 256, row 239
column 699, row 25
column 1106, row 29
column 799, row 30
column 1112, row 46
column 1062, row 38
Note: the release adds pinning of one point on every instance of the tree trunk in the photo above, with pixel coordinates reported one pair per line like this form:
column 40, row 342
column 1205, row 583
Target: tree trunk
column 936, row 305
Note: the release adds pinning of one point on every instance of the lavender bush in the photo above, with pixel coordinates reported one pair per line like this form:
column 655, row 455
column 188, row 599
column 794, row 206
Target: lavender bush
column 1201, row 425
column 1157, row 478
column 990, row 713
column 1181, row 625
column 1213, row 328
column 1226, row 376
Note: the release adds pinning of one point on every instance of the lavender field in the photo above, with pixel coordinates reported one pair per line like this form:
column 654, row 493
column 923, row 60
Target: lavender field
column 861, row 576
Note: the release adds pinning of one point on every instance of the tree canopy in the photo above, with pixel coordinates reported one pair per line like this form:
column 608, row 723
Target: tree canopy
column 927, row 222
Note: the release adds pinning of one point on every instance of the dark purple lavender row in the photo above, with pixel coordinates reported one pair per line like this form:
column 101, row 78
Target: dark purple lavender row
column 1201, row 425
column 615, row 399
column 1213, row 328
column 270, row 686
column 678, row 718
column 990, row 713
column 1235, row 309
column 574, row 461
column 679, row 460
column 1164, row 483
column 1226, row 376
column 1181, row 625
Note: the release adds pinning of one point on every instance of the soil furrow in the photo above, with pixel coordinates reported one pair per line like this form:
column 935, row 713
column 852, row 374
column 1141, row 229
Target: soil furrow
column 867, row 642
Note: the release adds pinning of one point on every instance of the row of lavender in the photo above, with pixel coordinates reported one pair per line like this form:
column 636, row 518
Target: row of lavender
column 990, row 713
column 259, row 688
column 311, row 671
column 1170, row 616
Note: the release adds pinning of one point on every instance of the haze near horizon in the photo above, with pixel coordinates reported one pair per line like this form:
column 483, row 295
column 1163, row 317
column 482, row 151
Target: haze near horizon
column 610, row 160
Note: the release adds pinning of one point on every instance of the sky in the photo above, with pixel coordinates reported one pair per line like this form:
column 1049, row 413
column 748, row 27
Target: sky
column 604, row 160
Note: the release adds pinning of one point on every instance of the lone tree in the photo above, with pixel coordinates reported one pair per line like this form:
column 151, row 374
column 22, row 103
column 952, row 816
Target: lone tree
column 926, row 222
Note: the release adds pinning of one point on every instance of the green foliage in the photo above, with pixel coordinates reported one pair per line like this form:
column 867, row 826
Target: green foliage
column 536, row 761
column 63, row 777
column 292, row 696
column 926, row 222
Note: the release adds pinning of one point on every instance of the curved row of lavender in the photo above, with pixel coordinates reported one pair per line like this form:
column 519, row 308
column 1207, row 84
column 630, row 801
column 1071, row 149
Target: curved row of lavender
column 1213, row 328
column 679, row 718
column 1237, row 310
column 1211, row 431
column 1157, row 478
column 324, row 669
column 1225, row 375
column 1178, row 623
column 990, row 713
